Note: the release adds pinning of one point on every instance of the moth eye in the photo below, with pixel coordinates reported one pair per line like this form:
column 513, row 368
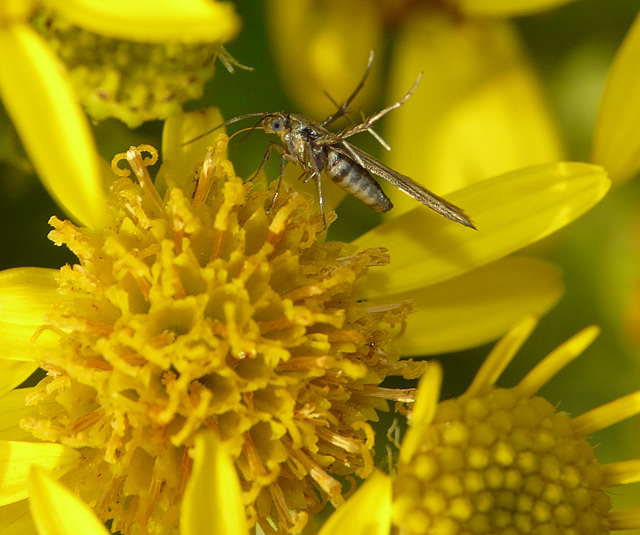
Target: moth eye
column 276, row 125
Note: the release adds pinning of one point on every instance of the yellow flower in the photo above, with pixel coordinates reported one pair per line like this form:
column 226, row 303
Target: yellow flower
column 204, row 311
column 37, row 93
column 479, row 110
column 196, row 308
column 129, row 80
column 502, row 460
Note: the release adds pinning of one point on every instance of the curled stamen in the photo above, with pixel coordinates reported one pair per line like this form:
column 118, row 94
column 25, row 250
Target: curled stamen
column 139, row 166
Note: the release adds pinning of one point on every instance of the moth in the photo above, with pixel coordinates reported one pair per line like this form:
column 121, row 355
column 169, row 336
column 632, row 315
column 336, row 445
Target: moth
column 316, row 150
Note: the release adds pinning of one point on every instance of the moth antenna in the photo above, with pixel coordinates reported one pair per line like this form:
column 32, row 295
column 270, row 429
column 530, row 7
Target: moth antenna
column 226, row 123
column 376, row 136
column 344, row 113
column 343, row 107
column 250, row 129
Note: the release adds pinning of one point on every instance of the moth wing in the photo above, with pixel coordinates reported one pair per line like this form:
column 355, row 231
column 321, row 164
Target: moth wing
column 405, row 184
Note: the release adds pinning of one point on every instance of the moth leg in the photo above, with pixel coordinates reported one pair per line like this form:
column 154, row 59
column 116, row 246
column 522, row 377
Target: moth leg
column 308, row 176
column 342, row 109
column 267, row 155
column 366, row 125
column 316, row 167
column 318, row 176
column 284, row 158
column 321, row 200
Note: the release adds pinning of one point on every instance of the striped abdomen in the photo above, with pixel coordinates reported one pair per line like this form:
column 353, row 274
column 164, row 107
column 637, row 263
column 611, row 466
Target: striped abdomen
column 357, row 181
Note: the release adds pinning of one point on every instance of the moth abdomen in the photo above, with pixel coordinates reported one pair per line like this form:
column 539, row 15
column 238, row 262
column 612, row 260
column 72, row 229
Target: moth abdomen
column 356, row 181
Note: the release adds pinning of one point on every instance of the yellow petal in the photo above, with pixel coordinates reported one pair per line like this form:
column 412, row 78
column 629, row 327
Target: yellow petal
column 627, row 519
column 13, row 409
column 501, row 355
column 212, row 500
column 478, row 306
column 367, row 512
column 16, row 11
column 510, row 212
column 53, row 128
column 14, row 373
column 324, row 46
column 153, row 21
column 16, row 459
column 621, row 473
column 607, row 415
column 182, row 146
column 57, row 511
column 26, row 295
column 479, row 110
column 15, row 519
column 616, row 144
column 507, row 8
column 424, row 409
column 556, row 360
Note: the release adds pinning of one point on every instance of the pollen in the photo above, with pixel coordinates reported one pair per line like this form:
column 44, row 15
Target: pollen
column 212, row 309
column 499, row 462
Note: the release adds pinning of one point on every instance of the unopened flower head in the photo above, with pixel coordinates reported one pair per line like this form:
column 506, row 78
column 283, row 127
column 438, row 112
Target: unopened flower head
column 208, row 310
column 130, row 80
column 500, row 461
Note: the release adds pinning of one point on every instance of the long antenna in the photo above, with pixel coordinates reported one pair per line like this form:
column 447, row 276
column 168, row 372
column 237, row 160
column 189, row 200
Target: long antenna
column 226, row 123
column 343, row 107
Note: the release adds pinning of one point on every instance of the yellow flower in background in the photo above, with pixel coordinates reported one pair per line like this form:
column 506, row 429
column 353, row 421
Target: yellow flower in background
column 324, row 46
column 615, row 141
column 39, row 99
column 479, row 110
column 504, row 8
column 130, row 80
column 502, row 460
column 198, row 309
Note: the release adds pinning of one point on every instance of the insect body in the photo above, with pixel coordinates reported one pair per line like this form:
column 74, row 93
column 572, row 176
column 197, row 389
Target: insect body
column 318, row 150
column 309, row 145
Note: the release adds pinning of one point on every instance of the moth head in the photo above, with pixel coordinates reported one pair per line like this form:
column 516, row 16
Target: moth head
column 275, row 123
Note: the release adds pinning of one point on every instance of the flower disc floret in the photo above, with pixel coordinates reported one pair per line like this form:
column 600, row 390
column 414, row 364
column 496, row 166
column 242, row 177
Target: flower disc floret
column 499, row 462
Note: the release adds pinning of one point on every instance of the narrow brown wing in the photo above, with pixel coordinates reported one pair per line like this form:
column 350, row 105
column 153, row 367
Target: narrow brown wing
column 405, row 184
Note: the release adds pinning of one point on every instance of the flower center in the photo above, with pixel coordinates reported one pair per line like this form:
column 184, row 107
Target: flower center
column 501, row 463
column 213, row 311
